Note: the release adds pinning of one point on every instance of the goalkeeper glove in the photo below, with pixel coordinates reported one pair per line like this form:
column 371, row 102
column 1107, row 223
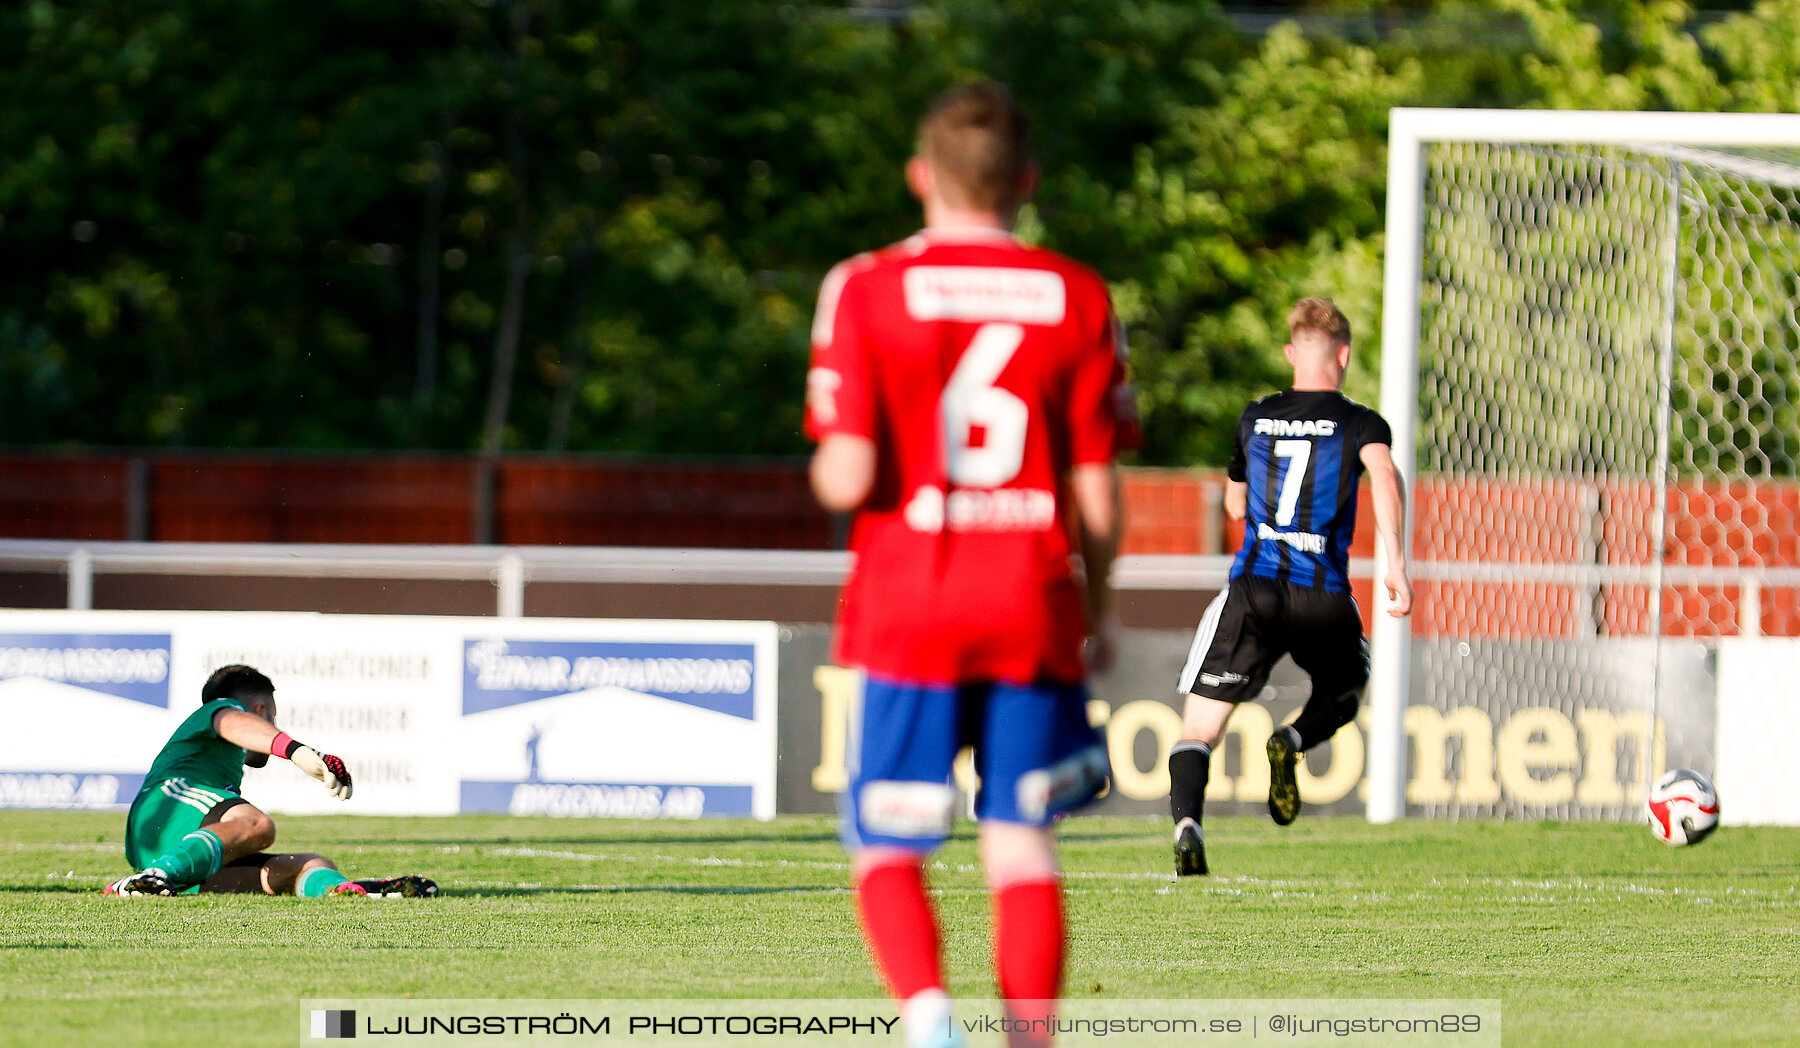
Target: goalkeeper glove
column 324, row 767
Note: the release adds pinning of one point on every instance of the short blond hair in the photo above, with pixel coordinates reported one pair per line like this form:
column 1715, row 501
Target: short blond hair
column 1321, row 316
column 974, row 138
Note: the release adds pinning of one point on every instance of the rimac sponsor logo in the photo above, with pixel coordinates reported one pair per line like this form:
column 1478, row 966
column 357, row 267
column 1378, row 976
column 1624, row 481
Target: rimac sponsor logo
column 1305, row 427
column 1214, row 680
column 129, row 666
column 499, row 673
column 1304, row 541
column 50, row 789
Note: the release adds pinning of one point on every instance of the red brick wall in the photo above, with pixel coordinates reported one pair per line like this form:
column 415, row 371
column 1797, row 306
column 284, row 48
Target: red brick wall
column 400, row 499
column 768, row 505
column 51, row 496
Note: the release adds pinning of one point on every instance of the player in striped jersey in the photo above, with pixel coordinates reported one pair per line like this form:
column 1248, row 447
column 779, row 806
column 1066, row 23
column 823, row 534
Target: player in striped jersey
column 1295, row 464
column 189, row 830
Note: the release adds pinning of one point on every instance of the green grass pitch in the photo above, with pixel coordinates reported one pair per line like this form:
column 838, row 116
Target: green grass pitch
column 1590, row 934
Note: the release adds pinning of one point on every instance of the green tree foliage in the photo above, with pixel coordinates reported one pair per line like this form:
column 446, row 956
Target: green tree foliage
column 1266, row 192
column 599, row 224
column 252, row 224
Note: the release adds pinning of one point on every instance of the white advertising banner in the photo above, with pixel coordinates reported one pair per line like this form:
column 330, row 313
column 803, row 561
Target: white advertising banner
column 433, row 715
column 1757, row 778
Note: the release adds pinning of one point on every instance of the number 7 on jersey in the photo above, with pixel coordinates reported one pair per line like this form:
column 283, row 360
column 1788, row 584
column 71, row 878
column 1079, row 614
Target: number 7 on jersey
column 1293, row 477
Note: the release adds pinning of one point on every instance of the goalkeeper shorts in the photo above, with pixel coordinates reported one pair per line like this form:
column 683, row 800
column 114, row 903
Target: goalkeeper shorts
column 166, row 811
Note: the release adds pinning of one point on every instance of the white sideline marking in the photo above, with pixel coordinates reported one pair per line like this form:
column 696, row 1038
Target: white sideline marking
column 1281, row 888
column 690, row 860
column 635, row 887
column 1528, row 891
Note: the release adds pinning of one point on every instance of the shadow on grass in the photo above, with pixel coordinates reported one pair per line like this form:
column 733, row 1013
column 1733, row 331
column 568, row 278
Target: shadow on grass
column 65, row 888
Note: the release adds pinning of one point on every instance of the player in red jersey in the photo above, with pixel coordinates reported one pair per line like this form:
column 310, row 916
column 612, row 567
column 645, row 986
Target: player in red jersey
column 968, row 395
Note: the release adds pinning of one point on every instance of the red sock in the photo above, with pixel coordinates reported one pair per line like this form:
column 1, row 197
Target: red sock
column 901, row 929
column 1028, row 948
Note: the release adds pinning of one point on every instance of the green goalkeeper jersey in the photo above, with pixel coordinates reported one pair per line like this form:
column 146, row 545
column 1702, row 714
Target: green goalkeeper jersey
column 196, row 752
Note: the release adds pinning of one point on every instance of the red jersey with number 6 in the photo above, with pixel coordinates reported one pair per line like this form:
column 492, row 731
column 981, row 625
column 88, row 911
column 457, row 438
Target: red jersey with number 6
column 983, row 370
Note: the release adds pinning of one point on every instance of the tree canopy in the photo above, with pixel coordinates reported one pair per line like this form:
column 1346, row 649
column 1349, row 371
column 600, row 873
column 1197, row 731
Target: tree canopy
column 598, row 225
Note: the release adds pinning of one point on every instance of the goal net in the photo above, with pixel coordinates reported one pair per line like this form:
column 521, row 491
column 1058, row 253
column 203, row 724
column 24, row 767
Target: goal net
column 1592, row 344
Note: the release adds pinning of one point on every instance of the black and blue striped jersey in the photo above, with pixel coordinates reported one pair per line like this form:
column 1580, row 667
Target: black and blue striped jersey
column 1299, row 453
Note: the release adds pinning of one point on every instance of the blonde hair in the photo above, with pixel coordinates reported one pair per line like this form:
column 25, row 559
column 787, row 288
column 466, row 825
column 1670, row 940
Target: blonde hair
column 1321, row 316
column 974, row 138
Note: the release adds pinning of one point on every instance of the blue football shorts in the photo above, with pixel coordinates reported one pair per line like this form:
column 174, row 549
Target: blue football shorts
column 1036, row 757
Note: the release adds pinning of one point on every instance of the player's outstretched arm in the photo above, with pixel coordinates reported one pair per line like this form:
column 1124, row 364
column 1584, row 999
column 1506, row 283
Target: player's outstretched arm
column 843, row 471
column 1237, row 499
column 1389, row 491
column 1099, row 511
column 257, row 735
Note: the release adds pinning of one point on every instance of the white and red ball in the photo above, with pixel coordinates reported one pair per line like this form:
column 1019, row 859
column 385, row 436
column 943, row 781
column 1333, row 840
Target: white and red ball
column 1683, row 807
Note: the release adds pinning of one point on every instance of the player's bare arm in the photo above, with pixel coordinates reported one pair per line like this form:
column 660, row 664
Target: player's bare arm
column 1095, row 488
column 258, row 735
column 843, row 471
column 247, row 730
column 1389, row 491
column 1237, row 499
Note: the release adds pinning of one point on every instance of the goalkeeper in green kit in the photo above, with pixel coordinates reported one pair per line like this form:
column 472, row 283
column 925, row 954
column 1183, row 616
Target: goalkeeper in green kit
column 190, row 831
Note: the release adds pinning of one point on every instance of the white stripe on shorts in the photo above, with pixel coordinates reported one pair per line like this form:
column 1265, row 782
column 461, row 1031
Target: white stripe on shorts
column 1203, row 638
column 192, row 796
column 201, row 793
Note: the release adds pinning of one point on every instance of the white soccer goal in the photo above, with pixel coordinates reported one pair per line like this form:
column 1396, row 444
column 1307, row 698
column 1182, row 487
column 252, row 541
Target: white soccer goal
column 1591, row 363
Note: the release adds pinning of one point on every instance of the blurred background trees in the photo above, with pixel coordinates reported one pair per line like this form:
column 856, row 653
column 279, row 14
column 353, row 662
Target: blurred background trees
column 598, row 225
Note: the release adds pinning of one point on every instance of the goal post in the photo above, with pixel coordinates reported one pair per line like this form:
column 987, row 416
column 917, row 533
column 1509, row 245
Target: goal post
column 1591, row 366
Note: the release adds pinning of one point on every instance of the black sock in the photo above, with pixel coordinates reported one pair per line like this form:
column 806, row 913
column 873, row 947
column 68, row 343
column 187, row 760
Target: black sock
column 1189, row 765
column 1319, row 721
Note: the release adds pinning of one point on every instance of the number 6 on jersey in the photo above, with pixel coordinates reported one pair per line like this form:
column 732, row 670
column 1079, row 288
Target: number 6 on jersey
column 971, row 399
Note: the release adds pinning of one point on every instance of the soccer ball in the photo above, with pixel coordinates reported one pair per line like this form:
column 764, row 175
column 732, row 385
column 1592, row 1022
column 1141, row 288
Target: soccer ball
column 1683, row 807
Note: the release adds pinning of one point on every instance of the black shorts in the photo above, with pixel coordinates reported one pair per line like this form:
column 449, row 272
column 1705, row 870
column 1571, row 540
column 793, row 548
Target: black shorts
column 1254, row 621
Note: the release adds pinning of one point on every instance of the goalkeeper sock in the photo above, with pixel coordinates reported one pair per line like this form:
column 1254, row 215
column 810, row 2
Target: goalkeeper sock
column 194, row 858
column 318, row 881
column 1190, row 764
column 901, row 929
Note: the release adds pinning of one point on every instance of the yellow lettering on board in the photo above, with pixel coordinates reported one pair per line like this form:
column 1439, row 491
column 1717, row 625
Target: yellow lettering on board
column 1537, row 738
column 837, row 690
column 1430, row 732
